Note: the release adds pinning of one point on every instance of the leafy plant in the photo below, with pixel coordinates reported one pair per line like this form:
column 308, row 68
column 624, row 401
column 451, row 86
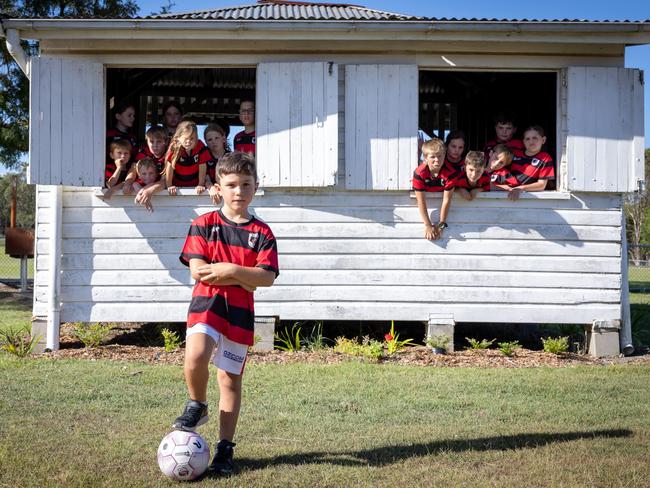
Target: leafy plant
column 92, row 335
column 393, row 343
column 172, row 340
column 438, row 341
column 18, row 341
column 556, row 345
column 369, row 348
column 289, row 341
column 482, row 344
column 315, row 341
column 508, row 348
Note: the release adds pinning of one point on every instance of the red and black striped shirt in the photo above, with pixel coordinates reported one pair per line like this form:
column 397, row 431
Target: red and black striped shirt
column 145, row 152
column 516, row 146
column 186, row 171
column 463, row 182
column 245, row 142
column 215, row 239
column 525, row 169
column 212, row 167
column 424, row 181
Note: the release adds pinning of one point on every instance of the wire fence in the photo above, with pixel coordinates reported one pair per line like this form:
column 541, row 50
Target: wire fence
column 639, row 267
column 10, row 267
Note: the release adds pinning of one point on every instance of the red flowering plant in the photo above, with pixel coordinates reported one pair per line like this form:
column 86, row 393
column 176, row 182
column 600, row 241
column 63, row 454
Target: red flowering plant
column 392, row 341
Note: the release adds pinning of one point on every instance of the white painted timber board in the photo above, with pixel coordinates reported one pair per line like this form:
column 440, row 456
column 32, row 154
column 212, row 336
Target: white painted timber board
column 601, row 128
column 297, row 124
column 177, row 312
column 469, row 278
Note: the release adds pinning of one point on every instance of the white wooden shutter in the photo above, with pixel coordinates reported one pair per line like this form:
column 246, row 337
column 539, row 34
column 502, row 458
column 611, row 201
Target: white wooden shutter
column 605, row 129
column 66, row 122
column 381, row 125
column 297, row 124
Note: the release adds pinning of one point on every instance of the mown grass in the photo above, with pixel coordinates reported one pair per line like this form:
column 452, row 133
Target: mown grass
column 79, row 423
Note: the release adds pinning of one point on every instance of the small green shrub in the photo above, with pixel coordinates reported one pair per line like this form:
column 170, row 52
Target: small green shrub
column 172, row 340
column 482, row 344
column 438, row 341
column 508, row 348
column 555, row 345
column 18, row 341
column 289, row 341
column 369, row 348
column 92, row 335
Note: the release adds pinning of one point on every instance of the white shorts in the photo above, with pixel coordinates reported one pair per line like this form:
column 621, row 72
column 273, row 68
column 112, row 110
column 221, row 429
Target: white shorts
column 227, row 355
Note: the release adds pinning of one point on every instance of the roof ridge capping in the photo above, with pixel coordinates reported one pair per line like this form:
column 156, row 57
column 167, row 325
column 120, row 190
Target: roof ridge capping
column 333, row 11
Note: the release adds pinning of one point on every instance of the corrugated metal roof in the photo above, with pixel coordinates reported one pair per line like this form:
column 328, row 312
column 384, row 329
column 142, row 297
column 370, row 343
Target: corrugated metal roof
column 288, row 10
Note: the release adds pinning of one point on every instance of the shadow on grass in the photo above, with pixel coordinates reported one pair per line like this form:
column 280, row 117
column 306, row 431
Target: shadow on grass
column 385, row 455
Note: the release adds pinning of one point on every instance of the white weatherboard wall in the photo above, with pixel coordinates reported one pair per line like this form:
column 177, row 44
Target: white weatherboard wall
column 346, row 255
column 381, row 107
column 66, row 122
column 297, row 124
column 605, row 129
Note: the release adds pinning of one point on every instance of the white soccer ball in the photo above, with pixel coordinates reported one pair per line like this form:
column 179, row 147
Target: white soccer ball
column 183, row 456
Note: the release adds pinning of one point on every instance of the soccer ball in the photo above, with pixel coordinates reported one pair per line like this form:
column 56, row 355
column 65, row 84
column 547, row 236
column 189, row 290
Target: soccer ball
column 183, row 456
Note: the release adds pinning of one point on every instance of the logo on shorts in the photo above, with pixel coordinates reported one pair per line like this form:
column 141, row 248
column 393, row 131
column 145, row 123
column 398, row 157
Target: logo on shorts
column 252, row 239
column 233, row 357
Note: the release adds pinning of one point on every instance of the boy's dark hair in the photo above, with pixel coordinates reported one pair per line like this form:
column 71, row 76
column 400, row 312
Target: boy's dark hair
column 120, row 144
column 537, row 128
column 245, row 100
column 237, row 162
column 156, row 130
column 456, row 134
column 172, row 103
column 505, row 118
column 475, row 158
column 122, row 106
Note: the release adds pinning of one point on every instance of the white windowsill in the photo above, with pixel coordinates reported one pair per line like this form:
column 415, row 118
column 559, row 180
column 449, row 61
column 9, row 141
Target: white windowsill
column 191, row 192
column 503, row 195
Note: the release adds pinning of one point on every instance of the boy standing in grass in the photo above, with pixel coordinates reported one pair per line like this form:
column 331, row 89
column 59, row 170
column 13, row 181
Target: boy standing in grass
column 230, row 253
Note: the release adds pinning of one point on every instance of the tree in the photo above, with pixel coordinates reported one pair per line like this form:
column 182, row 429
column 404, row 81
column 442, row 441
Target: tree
column 14, row 86
column 26, row 201
column 637, row 210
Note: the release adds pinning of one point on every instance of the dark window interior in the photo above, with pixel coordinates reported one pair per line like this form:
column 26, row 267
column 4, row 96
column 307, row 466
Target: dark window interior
column 468, row 101
column 206, row 94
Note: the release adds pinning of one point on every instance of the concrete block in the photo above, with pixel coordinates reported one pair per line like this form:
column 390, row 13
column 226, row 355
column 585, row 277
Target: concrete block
column 265, row 330
column 39, row 329
column 442, row 324
column 603, row 338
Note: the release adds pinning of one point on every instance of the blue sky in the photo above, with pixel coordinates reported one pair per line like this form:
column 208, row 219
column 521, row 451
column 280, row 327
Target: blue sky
column 635, row 57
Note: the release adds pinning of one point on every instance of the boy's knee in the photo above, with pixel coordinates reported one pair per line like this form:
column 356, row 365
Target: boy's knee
column 228, row 380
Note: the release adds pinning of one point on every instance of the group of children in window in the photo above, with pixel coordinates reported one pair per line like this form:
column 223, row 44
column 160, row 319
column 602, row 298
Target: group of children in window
column 172, row 155
column 505, row 164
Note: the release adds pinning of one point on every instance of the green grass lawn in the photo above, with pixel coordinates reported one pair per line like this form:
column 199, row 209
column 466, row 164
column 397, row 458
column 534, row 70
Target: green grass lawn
column 82, row 423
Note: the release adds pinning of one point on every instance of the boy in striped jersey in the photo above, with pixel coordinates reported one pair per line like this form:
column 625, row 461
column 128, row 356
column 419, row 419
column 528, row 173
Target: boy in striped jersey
column 230, row 253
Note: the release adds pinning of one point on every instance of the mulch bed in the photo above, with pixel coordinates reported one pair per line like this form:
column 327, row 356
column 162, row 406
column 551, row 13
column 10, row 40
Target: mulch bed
column 417, row 355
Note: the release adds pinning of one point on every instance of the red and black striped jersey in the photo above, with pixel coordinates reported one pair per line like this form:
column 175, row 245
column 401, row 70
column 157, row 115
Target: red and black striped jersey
column 245, row 142
column 515, row 145
column 212, row 167
column 215, row 239
column 463, row 182
column 424, row 181
column 458, row 165
column 111, row 167
column 186, row 171
column 525, row 169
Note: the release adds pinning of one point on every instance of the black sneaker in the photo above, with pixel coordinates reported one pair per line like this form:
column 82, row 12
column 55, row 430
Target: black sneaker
column 195, row 414
column 222, row 463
